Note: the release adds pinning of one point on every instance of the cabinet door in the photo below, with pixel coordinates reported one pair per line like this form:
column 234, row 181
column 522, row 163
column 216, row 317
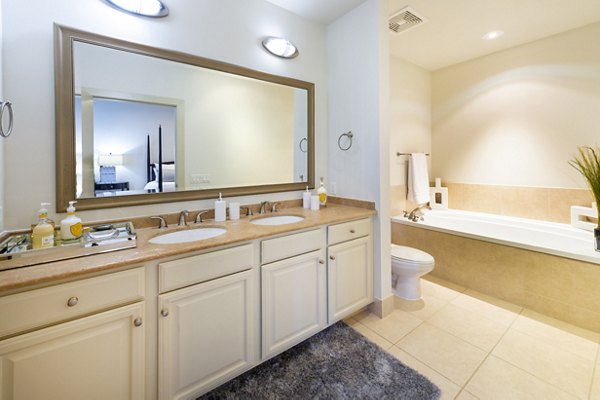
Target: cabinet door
column 349, row 277
column 207, row 335
column 294, row 303
column 97, row 357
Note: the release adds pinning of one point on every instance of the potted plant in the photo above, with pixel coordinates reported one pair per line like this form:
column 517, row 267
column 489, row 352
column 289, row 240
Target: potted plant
column 588, row 164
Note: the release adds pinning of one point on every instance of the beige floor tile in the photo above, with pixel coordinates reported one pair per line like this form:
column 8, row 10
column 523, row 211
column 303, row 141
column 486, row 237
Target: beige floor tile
column 487, row 306
column 445, row 353
column 440, row 288
column 372, row 336
column 350, row 321
column 595, row 391
column 553, row 365
column 448, row 388
column 497, row 379
column 469, row 326
column 421, row 309
column 394, row 326
column 560, row 334
column 464, row 395
column 359, row 316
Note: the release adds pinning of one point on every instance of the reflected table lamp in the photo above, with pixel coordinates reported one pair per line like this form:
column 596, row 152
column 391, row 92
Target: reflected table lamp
column 108, row 163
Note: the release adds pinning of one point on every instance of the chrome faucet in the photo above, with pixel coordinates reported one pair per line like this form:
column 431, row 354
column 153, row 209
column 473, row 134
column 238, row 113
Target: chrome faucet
column 199, row 216
column 182, row 218
column 274, row 206
column 248, row 211
column 263, row 207
column 416, row 214
column 162, row 223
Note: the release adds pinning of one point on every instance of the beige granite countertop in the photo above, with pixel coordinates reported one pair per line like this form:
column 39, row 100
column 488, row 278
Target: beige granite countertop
column 237, row 232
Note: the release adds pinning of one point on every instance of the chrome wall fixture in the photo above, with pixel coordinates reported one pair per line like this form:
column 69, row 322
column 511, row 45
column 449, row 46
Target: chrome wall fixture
column 280, row 47
column 348, row 135
column 6, row 109
column 145, row 8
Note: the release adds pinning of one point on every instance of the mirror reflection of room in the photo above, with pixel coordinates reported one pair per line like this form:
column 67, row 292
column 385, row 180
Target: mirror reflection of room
column 131, row 142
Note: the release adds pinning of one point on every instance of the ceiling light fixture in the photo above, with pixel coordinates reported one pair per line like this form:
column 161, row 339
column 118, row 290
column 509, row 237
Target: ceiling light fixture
column 492, row 35
column 146, row 8
column 280, row 47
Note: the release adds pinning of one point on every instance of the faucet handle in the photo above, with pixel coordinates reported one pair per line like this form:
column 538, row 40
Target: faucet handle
column 162, row 224
column 198, row 219
column 249, row 212
column 274, row 206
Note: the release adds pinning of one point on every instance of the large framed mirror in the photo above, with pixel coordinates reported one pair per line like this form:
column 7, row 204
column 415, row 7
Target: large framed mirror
column 141, row 125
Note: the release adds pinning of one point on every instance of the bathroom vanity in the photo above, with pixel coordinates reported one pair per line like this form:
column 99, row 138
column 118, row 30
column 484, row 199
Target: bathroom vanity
column 175, row 321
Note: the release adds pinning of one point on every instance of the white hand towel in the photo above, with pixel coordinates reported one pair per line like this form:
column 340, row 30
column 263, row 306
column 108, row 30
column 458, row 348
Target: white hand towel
column 418, row 179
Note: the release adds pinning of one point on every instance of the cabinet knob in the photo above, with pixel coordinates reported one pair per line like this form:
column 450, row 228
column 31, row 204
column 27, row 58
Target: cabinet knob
column 321, row 261
column 332, row 258
column 352, row 231
column 72, row 302
column 164, row 312
column 137, row 322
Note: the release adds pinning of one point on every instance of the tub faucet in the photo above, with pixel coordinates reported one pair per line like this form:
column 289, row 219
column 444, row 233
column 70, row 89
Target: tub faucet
column 416, row 214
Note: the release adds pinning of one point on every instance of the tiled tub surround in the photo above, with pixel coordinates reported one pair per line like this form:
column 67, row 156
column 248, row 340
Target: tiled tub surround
column 547, row 204
column 559, row 287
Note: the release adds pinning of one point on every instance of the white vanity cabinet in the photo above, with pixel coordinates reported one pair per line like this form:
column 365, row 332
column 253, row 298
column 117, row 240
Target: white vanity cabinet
column 97, row 354
column 294, row 292
column 349, row 268
column 208, row 332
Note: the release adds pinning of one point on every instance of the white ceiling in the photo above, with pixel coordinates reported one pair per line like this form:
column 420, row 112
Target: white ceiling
column 323, row 11
column 455, row 27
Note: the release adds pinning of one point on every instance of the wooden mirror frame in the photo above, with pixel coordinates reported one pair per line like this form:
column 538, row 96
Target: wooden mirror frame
column 65, row 123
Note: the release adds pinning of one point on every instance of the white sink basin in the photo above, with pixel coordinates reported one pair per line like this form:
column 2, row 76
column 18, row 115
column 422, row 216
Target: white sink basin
column 277, row 220
column 189, row 235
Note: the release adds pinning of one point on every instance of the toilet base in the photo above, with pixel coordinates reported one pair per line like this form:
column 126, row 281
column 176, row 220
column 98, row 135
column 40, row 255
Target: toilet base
column 408, row 288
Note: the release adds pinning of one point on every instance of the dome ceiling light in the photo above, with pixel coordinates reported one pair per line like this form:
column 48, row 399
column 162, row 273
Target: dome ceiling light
column 280, row 47
column 146, row 8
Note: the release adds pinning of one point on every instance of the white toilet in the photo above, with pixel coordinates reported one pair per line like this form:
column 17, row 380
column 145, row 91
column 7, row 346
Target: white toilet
column 408, row 265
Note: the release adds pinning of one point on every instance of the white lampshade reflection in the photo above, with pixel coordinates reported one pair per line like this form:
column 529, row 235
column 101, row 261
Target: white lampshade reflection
column 110, row 160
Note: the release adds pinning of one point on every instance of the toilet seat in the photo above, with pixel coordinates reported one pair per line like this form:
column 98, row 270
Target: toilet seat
column 411, row 255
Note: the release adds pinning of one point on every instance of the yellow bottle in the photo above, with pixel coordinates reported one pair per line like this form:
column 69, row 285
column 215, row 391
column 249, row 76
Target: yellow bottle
column 42, row 236
column 322, row 192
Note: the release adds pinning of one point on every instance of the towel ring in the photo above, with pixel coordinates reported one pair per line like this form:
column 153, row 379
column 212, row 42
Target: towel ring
column 6, row 105
column 348, row 135
column 300, row 145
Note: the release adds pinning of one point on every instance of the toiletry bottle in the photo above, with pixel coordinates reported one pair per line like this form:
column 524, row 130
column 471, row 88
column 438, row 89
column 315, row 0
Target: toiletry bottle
column 42, row 236
column 306, row 199
column 70, row 227
column 220, row 207
column 322, row 192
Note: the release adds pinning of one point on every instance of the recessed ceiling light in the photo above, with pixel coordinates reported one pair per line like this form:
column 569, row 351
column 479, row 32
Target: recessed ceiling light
column 492, row 35
column 146, row 8
column 280, row 47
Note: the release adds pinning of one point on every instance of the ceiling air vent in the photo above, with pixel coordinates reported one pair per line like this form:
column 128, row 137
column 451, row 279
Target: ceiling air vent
column 405, row 19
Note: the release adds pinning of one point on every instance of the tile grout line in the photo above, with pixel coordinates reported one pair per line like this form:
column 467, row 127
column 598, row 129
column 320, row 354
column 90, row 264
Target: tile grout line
column 490, row 353
column 525, row 371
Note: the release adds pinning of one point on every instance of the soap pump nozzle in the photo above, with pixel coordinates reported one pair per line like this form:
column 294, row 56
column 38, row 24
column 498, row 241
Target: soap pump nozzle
column 71, row 208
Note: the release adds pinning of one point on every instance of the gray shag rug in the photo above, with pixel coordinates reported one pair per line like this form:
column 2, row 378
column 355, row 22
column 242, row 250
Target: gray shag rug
column 337, row 363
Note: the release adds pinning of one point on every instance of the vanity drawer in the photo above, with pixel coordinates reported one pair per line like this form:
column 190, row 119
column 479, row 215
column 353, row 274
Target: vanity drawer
column 45, row 306
column 204, row 267
column 291, row 245
column 348, row 231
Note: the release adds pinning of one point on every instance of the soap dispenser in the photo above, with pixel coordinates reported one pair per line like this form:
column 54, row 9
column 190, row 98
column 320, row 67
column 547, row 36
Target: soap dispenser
column 42, row 236
column 70, row 227
column 322, row 192
column 220, row 209
column 306, row 199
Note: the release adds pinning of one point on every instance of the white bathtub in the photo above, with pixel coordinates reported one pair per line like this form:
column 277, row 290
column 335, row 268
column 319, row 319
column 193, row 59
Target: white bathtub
column 547, row 237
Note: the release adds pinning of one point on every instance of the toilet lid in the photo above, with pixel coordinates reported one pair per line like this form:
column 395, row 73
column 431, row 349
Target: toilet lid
column 410, row 254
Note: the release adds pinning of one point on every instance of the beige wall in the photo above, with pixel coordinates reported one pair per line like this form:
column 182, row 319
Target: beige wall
column 516, row 117
column 410, row 123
